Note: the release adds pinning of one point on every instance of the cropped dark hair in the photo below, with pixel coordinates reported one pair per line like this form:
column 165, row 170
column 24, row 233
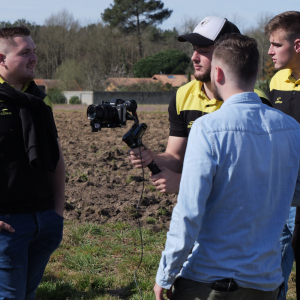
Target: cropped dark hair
column 288, row 21
column 239, row 53
column 10, row 32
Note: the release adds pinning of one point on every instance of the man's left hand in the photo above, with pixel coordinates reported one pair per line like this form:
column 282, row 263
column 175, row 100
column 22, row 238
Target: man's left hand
column 158, row 291
column 166, row 181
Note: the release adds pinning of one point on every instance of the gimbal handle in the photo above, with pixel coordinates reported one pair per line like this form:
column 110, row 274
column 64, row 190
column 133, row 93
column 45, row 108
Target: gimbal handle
column 133, row 139
column 152, row 166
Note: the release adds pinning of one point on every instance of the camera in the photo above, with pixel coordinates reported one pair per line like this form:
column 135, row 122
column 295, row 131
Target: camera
column 111, row 114
column 115, row 114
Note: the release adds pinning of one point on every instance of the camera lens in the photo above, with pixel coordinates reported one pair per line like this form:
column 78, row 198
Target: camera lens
column 95, row 112
column 91, row 112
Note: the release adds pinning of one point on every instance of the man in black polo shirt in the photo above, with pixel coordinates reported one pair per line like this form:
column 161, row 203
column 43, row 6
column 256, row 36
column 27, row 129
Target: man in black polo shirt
column 32, row 170
column 190, row 102
column 284, row 33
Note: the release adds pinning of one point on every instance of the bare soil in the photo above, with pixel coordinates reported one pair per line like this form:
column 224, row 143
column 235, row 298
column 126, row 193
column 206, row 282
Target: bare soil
column 101, row 184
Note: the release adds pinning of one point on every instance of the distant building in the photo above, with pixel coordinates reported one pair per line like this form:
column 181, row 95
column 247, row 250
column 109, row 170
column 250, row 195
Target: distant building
column 45, row 84
column 113, row 84
column 173, row 79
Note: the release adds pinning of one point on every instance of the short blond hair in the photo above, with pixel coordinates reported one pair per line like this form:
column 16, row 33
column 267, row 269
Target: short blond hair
column 288, row 21
column 239, row 52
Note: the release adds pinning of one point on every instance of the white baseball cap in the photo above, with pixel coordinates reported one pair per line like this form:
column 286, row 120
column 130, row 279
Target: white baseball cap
column 208, row 31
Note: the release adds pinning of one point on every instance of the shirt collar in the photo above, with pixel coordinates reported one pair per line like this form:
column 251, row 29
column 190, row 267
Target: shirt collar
column 198, row 90
column 290, row 78
column 24, row 88
column 242, row 97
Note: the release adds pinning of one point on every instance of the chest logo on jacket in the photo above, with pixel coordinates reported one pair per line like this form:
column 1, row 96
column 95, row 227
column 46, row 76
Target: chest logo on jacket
column 5, row 112
column 278, row 100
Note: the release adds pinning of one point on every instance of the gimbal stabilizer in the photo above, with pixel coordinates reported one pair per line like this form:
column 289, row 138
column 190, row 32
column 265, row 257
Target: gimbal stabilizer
column 115, row 114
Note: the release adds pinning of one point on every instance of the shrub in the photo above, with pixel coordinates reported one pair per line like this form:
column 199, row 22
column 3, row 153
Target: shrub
column 168, row 62
column 74, row 100
column 148, row 87
column 56, row 96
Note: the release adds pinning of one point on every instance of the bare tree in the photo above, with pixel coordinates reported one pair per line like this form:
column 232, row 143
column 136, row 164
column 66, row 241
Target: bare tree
column 258, row 33
column 188, row 24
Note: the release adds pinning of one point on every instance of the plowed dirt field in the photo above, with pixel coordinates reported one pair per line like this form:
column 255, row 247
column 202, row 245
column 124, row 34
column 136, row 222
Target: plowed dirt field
column 101, row 184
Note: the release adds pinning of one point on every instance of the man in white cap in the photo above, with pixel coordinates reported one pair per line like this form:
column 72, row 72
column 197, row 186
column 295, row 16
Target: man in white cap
column 190, row 102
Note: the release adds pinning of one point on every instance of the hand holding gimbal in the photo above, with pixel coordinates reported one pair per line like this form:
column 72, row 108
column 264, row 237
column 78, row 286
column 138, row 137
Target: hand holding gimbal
column 115, row 114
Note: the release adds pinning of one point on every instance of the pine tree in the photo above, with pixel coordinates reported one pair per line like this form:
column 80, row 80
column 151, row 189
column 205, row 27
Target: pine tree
column 135, row 15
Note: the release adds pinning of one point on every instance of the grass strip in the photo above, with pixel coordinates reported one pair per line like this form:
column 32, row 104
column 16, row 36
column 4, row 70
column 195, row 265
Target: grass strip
column 98, row 262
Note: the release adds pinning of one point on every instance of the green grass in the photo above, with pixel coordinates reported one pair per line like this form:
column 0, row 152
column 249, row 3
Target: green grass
column 291, row 294
column 84, row 177
column 162, row 212
column 151, row 220
column 130, row 179
column 151, row 188
column 98, row 262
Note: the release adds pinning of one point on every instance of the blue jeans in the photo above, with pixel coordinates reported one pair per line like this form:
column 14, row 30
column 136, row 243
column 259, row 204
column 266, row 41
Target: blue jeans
column 287, row 254
column 24, row 254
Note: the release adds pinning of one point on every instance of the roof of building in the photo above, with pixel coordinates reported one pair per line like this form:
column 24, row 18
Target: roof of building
column 114, row 83
column 173, row 79
column 56, row 83
column 128, row 81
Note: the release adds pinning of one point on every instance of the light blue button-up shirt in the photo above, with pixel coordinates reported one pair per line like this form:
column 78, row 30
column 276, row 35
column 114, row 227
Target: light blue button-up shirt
column 239, row 177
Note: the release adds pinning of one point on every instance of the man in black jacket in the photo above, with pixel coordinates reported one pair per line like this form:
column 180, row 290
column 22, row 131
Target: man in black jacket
column 32, row 177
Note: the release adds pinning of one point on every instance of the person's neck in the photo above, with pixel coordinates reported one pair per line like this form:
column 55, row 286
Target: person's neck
column 229, row 92
column 296, row 73
column 207, row 90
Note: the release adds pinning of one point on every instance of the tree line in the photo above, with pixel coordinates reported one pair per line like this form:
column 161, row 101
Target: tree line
column 91, row 53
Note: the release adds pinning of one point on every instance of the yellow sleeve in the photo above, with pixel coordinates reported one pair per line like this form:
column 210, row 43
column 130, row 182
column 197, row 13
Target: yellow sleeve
column 260, row 93
column 48, row 102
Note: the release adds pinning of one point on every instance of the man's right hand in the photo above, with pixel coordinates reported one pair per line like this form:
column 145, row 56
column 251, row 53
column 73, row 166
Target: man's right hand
column 6, row 226
column 135, row 157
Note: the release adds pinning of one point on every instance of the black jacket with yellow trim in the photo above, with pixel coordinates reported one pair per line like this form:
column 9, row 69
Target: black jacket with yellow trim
column 285, row 93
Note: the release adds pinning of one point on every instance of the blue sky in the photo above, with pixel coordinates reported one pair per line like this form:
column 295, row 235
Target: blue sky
column 244, row 13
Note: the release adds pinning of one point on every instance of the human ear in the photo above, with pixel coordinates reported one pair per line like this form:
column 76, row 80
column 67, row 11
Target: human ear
column 219, row 75
column 2, row 60
column 297, row 45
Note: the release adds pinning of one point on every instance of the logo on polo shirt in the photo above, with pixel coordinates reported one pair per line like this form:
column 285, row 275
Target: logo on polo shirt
column 190, row 124
column 5, row 112
column 278, row 101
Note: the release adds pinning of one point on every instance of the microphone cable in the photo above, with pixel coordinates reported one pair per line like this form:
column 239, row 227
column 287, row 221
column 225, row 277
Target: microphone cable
column 140, row 230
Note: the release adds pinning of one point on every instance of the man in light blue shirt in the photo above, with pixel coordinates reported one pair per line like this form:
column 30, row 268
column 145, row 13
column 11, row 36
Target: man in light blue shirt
column 239, row 176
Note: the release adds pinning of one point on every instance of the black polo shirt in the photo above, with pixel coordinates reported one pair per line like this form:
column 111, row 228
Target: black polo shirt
column 190, row 103
column 285, row 93
column 23, row 189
